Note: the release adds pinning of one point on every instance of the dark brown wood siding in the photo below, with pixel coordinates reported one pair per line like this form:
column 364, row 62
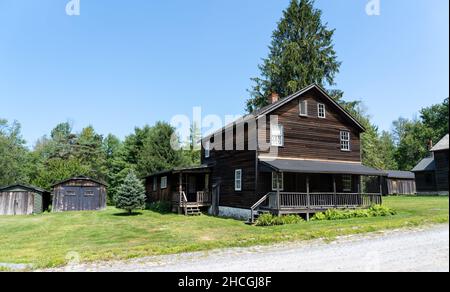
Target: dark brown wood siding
column 161, row 194
column 426, row 182
column 441, row 159
column 312, row 137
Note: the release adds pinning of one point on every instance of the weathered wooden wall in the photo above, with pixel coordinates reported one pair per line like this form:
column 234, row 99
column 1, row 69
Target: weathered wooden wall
column 80, row 200
column 17, row 203
column 393, row 186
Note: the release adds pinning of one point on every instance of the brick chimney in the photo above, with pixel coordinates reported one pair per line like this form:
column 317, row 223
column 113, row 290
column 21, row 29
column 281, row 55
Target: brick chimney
column 273, row 98
column 430, row 145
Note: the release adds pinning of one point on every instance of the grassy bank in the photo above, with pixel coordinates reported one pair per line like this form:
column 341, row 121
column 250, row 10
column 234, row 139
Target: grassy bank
column 46, row 240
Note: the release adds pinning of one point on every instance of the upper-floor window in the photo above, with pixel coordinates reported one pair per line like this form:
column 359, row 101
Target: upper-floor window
column 238, row 180
column 164, row 182
column 207, row 149
column 276, row 183
column 345, row 141
column 321, row 111
column 277, row 135
column 303, row 108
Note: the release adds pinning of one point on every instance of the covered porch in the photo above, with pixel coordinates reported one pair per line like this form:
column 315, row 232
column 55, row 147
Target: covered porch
column 308, row 187
column 192, row 190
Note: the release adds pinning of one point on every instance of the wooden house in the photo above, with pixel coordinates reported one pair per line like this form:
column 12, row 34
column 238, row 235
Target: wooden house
column 298, row 155
column 20, row 199
column 399, row 183
column 432, row 172
column 79, row 194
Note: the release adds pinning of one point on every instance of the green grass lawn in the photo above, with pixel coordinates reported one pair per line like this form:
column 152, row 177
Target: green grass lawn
column 45, row 240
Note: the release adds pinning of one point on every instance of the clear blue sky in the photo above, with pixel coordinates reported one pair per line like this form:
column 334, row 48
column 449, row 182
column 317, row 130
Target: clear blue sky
column 122, row 64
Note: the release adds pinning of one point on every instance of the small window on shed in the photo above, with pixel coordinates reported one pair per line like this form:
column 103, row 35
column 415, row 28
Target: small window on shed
column 89, row 193
column 70, row 193
column 164, row 182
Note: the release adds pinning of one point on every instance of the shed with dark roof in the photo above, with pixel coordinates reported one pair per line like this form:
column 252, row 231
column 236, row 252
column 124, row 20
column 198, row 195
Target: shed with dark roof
column 79, row 194
column 21, row 199
column 399, row 183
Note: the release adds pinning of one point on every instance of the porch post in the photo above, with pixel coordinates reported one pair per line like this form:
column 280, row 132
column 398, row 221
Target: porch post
column 308, row 199
column 180, row 196
column 334, row 191
column 278, row 193
column 381, row 189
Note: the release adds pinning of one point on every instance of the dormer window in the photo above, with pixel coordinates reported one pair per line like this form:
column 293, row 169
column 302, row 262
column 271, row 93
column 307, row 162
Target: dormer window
column 277, row 135
column 303, row 108
column 321, row 111
column 345, row 141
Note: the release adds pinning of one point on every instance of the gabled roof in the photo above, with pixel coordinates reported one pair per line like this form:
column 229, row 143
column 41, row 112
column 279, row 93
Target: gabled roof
column 271, row 107
column 441, row 145
column 82, row 177
column 24, row 186
column 400, row 174
column 427, row 164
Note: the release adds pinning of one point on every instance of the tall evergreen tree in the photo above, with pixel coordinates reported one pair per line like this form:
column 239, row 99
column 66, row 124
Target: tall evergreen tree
column 301, row 53
column 131, row 194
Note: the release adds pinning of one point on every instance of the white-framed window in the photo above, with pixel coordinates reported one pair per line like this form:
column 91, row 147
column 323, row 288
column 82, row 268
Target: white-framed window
column 321, row 111
column 238, row 180
column 280, row 181
column 155, row 183
column 345, row 141
column 347, row 183
column 277, row 135
column 89, row 193
column 207, row 149
column 164, row 182
column 303, row 108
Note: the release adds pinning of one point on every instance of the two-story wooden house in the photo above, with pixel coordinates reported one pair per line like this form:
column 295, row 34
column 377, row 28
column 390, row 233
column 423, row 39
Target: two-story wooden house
column 298, row 155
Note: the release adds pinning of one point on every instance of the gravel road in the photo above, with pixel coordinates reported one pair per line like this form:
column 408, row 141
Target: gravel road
column 400, row 250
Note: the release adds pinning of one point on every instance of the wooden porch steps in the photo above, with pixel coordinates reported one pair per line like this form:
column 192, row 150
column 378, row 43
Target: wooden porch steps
column 193, row 210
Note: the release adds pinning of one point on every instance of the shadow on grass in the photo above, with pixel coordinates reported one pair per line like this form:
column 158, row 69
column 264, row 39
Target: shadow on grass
column 126, row 214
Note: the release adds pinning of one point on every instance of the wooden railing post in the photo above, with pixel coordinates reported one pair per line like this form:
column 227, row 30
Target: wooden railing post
column 334, row 191
column 308, row 199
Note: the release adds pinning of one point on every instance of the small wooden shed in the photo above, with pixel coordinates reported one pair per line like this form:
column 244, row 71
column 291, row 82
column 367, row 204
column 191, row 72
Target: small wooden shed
column 399, row 183
column 21, row 199
column 79, row 194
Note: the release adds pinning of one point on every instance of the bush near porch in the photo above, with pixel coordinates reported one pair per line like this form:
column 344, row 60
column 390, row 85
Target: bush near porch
column 45, row 240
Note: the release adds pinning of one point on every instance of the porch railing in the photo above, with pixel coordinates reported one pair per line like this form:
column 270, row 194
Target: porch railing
column 316, row 201
column 203, row 197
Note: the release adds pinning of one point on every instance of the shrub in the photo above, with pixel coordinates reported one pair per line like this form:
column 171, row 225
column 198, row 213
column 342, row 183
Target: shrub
column 160, row 207
column 374, row 211
column 131, row 194
column 268, row 219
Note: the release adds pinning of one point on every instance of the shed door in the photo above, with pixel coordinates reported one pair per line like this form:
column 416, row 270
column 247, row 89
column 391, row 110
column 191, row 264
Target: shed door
column 16, row 203
column 81, row 198
column 90, row 198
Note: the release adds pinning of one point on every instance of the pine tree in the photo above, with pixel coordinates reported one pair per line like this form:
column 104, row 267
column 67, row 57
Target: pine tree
column 301, row 54
column 131, row 194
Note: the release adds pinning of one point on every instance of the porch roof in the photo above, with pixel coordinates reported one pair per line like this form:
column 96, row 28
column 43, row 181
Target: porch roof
column 194, row 169
column 319, row 167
